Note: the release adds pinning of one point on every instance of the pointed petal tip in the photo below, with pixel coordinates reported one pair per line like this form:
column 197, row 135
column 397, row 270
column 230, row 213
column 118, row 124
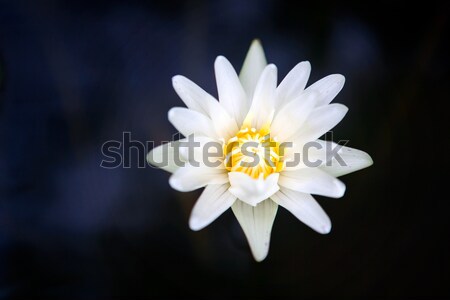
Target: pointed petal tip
column 341, row 107
column 175, row 183
column 340, row 187
column 212, row 203
column 339, row 80
column 254, row 63
column 171, row 113
column 256, row 222
column 304, row 64
column 369, row 160
column 220, row 59
column 354, row 160
column 176, row 77
column 150, row 158
column 180, row 185
column 220, row 63
column 259, row 257
column 325, row 228
column 336, row 78
column 329, row 87
column 195, row 224
column 176, row 80
column 256, row 42
column 260, row 252
column 256, row 45
column 366, row 159
column 271, row 67
column 270, row 71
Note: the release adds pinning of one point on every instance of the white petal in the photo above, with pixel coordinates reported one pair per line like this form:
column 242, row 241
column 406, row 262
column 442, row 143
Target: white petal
column 305, row 208
column 231, row 93
column 189, row 177
column 312, row 154
column 328, row 87
column 353, row 159
column 256, row 222
column 201, row 149
column 197, row 99
column 293, row 84
column 262, row 109
column 189, row 122
column 291, row 117
column 192, row 95
column 214, row 200
column 252, row 191
column 254, row 64
column 164, row 157
column 312, row 181
column 321, row 120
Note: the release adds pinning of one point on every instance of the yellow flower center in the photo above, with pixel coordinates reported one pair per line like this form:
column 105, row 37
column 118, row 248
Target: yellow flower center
column 253, row 153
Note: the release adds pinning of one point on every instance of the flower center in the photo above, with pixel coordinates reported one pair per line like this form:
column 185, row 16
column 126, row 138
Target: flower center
column 253, row 152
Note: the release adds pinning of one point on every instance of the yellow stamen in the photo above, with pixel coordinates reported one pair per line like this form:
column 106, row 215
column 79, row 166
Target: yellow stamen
column 253, row 152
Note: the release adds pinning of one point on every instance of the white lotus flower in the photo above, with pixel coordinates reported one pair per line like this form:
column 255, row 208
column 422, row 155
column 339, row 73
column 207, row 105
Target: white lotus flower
column 252, row 108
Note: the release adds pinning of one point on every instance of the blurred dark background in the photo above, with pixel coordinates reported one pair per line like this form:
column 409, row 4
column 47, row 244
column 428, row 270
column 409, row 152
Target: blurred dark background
column 74, row 74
